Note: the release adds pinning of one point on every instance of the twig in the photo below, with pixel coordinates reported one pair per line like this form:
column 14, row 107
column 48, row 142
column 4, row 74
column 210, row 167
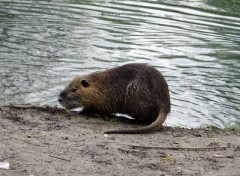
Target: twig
column 5, row 139
column 41, row 108
column 3, row 159
column 180, row 148
column 22, row 106
column 60, row 158
column 27, row 141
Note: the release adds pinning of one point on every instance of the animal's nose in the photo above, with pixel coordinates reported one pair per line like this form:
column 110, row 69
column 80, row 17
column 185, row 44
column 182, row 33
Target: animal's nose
column 61, row 96
column 60, row 99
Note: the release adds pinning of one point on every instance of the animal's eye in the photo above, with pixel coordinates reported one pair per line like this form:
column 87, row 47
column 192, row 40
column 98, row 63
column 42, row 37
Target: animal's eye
column 84, row 83
column 73, row 90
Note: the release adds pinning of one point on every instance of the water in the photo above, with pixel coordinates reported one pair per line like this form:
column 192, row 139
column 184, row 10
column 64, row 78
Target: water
column 194, row 43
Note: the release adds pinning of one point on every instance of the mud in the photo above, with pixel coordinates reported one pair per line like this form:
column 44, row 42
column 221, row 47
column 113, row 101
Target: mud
column 50, row 141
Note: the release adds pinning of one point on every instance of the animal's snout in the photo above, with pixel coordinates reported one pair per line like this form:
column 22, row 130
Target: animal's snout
column 60, row 99
column 61, row 96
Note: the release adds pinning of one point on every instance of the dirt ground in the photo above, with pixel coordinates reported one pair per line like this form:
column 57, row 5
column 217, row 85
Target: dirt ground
column 50, row 141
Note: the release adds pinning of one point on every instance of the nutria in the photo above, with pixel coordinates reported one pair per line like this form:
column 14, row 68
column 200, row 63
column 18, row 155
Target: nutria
column 138, row 90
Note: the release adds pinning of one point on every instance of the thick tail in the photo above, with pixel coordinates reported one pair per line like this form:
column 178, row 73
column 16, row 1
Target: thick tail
column 156, row 125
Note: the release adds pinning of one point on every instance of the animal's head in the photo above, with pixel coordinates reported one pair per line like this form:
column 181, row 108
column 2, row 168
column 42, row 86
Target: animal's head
column 78, row 93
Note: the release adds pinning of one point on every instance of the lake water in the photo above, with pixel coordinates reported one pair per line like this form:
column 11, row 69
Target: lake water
column 194, row 43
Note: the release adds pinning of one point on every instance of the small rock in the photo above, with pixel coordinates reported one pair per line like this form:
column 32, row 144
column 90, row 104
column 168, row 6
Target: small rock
column 218, row 156
column 4, row 165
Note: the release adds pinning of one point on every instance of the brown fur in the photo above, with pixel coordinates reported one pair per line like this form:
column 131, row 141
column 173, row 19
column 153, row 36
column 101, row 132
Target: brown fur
column 138, row 90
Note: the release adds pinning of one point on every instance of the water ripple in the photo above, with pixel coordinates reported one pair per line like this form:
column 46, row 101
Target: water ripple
column 195, row 44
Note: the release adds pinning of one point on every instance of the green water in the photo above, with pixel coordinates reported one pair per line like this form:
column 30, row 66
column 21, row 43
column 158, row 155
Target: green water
column 194, row 43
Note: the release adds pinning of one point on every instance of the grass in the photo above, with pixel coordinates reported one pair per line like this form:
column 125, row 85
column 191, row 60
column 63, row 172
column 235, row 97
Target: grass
column 227, row 128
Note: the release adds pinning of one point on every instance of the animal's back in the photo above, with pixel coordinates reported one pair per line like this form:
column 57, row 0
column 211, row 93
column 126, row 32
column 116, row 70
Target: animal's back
column 147, row 93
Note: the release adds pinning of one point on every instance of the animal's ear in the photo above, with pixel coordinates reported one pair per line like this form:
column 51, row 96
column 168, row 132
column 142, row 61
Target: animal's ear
column 84, row 83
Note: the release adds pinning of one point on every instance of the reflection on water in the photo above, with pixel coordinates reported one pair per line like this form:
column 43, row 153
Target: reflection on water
column 194, row 43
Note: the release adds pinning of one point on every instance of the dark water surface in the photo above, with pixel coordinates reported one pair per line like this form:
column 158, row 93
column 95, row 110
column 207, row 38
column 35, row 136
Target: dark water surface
column 194, row 43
